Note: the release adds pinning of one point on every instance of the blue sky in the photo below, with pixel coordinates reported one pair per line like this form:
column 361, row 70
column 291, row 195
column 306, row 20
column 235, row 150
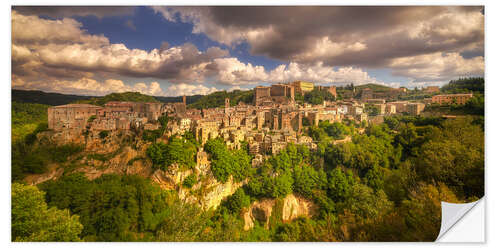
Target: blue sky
column 80, row 53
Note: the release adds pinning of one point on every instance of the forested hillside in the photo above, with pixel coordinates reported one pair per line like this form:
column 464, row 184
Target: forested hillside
column 40, row 97
column 26, row 117
column 366, row 182
column 217, row 99
column 384, row 185
column 54, row 99
column 122, row 97
column 189, row 99
column 465, row 85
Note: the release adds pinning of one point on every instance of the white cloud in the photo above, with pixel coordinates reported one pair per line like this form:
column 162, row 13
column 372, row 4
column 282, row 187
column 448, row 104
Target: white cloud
column 63, row 45
column 437, row 67
column 34, row 30
column 87, row 86
column 188, row 89
column 62, row 57
column 233, row 72
column 342, row 36
column 319, row 73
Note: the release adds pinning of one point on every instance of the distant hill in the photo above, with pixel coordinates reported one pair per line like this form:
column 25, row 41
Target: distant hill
column 374, row 87
column 217, row 99
column 40, row 97
column 168, row 99
column 54, row 99
column 465, row 85
column 121, row 97
column 26, row 117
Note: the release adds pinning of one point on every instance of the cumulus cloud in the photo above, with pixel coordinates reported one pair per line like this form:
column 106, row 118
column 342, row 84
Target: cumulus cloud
column 189, row 89
column 35, row 31
column 88, row 86
column 62, row 44
column 233, row 72
column 69, row 11
column 437, row 67
column 319, row 73
column 318, row 44
column 371, row 36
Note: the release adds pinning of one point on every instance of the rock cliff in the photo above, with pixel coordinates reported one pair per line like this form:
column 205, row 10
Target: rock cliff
column 290, row 208
column 120, row 152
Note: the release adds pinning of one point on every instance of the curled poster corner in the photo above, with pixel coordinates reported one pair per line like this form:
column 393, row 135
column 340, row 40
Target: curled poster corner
column 451, row 213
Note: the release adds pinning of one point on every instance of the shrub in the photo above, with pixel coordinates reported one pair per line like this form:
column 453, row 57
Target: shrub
column 103, row 134
column 190, row 181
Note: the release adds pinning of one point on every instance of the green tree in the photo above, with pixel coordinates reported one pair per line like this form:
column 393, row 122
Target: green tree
column 32, row 220
column 237, row 201
column 111, row 207
column 340, row 184
column 225, row 163
column 190, row 181
column 178, row 150
column 307, row 179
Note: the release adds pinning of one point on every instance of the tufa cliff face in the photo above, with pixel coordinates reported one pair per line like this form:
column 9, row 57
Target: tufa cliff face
column 120, row 152
column 207, row 193
column 290, row 208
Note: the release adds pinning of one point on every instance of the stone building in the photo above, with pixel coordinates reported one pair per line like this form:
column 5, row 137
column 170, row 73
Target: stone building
column 71, row 116
column 366, row 94
column 302, row 86
column 459, row 99
column 114, row 115
column 380, row 107
column 415, row 108
column 431, row 89
column 400, row 106
column 276, row 94
column 390, row 109
column 332, row 89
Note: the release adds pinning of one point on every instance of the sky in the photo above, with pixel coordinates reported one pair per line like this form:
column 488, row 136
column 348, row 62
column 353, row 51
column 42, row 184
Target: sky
column 173, row 51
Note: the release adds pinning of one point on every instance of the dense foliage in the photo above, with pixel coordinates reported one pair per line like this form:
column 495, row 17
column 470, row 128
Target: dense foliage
column 225, row 163
column 380, row 183
column 474, row 106
column 27, row 118
column 169, row 99
column 372, row 86
column 217, row 99
column 178, row 150
column 33, row 220
column 40, row 97
column 464, row 85
column 30, row 158
column 317, row 96
column 112, row 207
column 122, row 97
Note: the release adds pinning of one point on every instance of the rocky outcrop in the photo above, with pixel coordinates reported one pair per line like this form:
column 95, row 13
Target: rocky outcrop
column 119, row 153
column 290, row 208
column 171, row 178
column 207, row 193
column 217, row 192
column 53, row 173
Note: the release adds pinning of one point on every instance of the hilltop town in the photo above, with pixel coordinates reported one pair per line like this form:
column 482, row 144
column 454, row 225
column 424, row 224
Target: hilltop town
column 280, row 149
column 273, row 120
